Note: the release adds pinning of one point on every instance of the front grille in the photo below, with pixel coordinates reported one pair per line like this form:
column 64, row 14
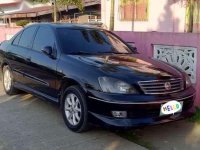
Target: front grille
column 162, row 86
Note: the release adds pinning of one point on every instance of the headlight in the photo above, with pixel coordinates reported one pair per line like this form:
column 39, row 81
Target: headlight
column 188, row 82
column 112, row 85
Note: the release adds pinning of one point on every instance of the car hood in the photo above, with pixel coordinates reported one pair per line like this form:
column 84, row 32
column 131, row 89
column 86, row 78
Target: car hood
column 131, row 65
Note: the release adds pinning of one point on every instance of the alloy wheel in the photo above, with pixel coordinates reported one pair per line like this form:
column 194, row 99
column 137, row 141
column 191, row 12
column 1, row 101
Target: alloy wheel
column 7, row 80
column 73, row 109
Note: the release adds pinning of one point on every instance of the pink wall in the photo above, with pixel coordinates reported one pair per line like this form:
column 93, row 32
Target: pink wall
column 145, row 40
column 7, row 31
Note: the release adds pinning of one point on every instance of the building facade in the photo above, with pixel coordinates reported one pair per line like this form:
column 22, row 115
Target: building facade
column 149, row 15
column 12, row 11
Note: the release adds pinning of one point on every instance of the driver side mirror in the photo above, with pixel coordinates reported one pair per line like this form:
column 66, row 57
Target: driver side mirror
column 132, row 46
column 48, row 50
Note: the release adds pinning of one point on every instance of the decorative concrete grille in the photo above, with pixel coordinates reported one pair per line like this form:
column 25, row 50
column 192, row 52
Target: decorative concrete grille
column 184, row 58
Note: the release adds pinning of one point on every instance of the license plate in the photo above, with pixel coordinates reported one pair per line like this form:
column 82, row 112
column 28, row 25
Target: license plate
column 171, row 107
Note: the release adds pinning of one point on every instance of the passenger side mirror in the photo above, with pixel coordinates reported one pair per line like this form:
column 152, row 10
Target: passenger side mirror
column 132, row 46
column 48, row 50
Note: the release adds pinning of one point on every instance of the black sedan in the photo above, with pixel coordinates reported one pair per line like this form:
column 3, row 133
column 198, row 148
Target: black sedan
column 94, row 76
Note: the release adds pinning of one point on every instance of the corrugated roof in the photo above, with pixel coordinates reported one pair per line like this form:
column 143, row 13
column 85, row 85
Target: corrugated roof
column 10, row 3
column 30, row 12
column 34, row 10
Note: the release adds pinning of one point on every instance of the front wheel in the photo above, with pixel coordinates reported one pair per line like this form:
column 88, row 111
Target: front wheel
column 8, row 81
column 74, row 109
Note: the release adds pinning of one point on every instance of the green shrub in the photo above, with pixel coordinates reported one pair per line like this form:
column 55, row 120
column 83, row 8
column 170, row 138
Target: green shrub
column 196, row 117
column 22, row 23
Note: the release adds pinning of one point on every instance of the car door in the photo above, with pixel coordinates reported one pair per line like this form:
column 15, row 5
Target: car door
column 42, row 68
column 18, row 52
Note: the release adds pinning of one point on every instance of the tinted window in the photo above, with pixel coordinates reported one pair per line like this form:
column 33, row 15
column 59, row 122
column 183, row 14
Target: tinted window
column 44, row 37
column 16, row 40
column 90, row 41
column 27, row 36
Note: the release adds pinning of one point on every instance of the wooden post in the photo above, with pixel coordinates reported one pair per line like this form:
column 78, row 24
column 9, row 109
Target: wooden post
column 54, row 12
column 9, row 21
column 112, row 15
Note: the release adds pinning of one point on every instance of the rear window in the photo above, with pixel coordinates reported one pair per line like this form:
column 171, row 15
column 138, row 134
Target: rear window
column 90, row 41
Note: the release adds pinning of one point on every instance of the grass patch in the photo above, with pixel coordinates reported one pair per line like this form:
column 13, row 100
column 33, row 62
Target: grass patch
column 196, row 117
column 136, row 138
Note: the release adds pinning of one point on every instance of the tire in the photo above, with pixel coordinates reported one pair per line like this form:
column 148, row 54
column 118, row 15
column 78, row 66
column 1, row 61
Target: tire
column 74, row 109
column 8, row 83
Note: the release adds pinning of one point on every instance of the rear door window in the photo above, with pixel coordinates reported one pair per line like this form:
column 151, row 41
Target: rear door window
column 27, row 37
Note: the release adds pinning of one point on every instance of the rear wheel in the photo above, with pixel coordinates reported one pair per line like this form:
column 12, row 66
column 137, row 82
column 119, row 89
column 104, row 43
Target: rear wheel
column 8, row 81
column 74, row 109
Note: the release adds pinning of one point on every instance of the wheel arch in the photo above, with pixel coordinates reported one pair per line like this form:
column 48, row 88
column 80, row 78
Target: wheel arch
column 67, row 82
column 4, row 64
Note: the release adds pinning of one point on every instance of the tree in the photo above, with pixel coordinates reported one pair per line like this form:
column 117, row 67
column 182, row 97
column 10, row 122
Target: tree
column 22, row 23
column 77, row 3
column 61, row 3
column 1, row 10
column 192, row 16
column 189, row 16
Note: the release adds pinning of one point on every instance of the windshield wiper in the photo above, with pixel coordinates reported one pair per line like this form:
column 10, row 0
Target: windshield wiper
column 112, row 53
column 81, row 53
column 94, row 53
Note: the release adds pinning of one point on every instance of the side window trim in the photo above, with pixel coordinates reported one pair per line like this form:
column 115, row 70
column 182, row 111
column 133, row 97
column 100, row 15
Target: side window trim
column 19, row 34
column 33, row 40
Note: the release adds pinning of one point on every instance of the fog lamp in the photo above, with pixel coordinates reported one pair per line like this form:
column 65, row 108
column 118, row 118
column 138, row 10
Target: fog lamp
column 119, row 114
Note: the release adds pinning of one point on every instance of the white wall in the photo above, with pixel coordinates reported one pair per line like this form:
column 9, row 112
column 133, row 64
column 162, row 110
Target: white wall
column 164, row 16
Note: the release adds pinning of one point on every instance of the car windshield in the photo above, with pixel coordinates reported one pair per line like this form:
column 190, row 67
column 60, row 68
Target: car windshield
column 90, row 41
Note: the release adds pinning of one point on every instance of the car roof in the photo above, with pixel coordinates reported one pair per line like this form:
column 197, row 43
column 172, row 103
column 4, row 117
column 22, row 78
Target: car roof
column 65, row 25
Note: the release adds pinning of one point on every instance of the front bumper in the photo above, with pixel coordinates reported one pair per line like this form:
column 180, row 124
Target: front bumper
column 139, row 112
